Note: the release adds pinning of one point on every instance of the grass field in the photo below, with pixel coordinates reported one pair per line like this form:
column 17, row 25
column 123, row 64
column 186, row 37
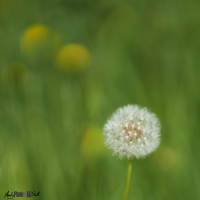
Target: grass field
column 66, row 66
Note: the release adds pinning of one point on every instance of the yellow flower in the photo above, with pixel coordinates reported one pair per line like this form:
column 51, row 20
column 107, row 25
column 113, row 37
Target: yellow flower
column 73, row 57
column 13, row 74
column 123, row 14
column 38, row 37
column 121, row 21
column 6, row 8
column 166, row 159
column 92, row 145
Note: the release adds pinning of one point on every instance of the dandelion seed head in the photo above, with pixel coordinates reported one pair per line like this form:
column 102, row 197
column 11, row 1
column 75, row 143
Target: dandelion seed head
column 132, row 132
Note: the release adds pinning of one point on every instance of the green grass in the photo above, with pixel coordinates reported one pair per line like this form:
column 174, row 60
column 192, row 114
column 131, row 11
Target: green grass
column 144, row 53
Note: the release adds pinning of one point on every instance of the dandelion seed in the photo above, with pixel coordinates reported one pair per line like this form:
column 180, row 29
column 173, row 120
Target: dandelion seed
column 137, row 131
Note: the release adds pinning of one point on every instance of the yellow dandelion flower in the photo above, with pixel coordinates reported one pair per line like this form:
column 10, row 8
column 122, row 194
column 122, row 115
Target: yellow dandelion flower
column 38, row 37
column 6, row 7
column 73, row 57
column 92, row 145
column 14, row 74
column 123, row 19
column 166, row 159
column 122, row 14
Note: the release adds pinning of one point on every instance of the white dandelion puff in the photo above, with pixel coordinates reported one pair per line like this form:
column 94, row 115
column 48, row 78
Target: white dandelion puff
column 132, row 132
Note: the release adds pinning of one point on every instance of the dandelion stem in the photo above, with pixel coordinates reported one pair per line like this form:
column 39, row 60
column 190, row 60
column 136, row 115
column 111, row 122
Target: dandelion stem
column 128, row 180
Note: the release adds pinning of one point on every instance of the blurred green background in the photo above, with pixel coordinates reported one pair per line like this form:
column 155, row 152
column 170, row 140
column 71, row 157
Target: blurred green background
column 66, row 66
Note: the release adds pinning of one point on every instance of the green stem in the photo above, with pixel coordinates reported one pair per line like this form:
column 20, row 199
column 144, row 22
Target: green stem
column 128, row 180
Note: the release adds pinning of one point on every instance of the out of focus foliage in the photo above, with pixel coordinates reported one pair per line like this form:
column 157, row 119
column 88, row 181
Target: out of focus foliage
column 65, row 66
